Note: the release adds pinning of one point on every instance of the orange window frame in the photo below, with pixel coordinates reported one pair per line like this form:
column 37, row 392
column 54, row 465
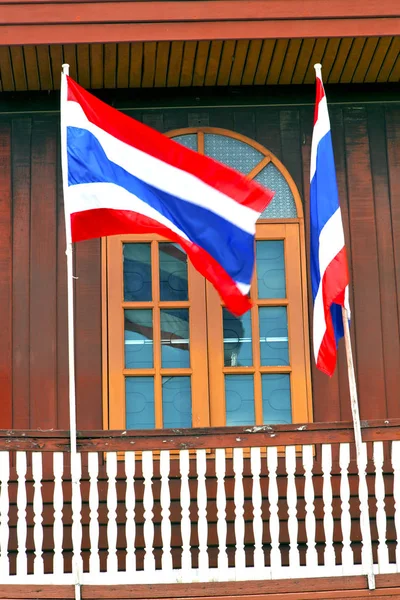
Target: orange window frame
column 205, row 326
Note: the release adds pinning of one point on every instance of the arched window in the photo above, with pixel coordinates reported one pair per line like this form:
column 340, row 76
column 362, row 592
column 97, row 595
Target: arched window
column 175, row 356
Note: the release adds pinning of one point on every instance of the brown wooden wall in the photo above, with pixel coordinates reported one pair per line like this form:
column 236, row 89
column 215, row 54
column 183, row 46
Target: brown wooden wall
column 33, row 338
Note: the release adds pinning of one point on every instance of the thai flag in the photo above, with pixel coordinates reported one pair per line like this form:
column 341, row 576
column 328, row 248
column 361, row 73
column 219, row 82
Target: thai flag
column 329, row 272
column 121, row 176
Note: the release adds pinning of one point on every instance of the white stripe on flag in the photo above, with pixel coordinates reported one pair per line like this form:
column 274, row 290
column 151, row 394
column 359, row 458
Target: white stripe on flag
column 87, row 196
column 321, row 128
column 162, row 175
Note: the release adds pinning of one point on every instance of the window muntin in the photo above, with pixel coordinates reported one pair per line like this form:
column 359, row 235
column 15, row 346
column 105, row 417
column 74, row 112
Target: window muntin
column 186, row 359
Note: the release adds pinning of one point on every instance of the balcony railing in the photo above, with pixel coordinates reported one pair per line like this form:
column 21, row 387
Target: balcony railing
column 199, row 505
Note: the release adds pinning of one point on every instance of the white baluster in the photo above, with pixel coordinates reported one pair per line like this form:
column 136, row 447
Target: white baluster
column 308, row 462
column 148, row 503
column 4, row 508
column 221, row 512
column 345, row 519
column 22, row 564
column 240, row 556
column 185, row 508
column 112, row 504
column 396, row 496
column 383, row 553
column 130, row 527
column 37, row 472
column 165, row 501
column 202, row 526
column 58, row 503
column 93, row 470
column 290, row 459
column 255, row 458
column 273, row 498
column 76, row 514
column 329, row 553
column 366, row 553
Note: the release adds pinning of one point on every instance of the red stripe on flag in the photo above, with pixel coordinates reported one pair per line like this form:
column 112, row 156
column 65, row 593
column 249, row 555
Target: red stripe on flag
column 100, row 222
column 150, row 141
column 320, row 93
column 334, row 283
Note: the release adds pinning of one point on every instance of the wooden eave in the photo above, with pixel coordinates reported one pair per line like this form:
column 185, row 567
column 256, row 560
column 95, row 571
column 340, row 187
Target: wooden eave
column 75, row 22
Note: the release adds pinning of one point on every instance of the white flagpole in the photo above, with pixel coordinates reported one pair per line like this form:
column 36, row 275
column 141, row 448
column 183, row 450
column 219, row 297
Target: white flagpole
column 74, row 457
column 355, row 411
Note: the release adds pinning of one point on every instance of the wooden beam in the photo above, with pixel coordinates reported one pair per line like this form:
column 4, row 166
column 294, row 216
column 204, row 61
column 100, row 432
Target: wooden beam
column 209, row 438
column 34, row 22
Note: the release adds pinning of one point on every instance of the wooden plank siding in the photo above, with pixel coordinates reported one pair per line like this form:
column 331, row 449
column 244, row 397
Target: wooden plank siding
column 33, row 344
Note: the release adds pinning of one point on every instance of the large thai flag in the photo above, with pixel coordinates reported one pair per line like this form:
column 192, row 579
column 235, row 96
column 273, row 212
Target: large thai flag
column 121, row 176
column 329, row 272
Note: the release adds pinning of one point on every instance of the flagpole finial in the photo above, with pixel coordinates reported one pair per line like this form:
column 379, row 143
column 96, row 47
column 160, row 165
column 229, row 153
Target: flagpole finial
column 318, row 68
column 65, row 69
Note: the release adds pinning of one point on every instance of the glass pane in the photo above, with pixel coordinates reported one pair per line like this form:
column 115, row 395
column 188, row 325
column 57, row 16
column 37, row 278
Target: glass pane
column 274, row 346
column 139, row 393
column 177, row 402
column 189, row 140
column 138, row 339
column 282, row 205
column 173, row 272
column 175, row 338
column 270, row 260
column 237, row 340
column 239, row 400
column 137, row 272
column 276, row 398
column 231, row 152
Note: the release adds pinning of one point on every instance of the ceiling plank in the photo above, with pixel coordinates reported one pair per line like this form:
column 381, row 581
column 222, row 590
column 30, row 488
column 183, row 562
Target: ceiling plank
column 239, row 60
column 70, row 59
column 200, row 65
column 377, row 60
column 123, row 57
column 340, row 60
column 353, row 60
column 18, row 67
column 56, row 61
column 306, row 50
column 365, row 59
column 44, row 65
column 253, row 56
column 390, row 59
column 290, row 62
column 277, row 62
column 225, row 66
column 175, row 61
column 163, row 50
column 110, row 65
column 96, row 57
column 213, row 62
column 316, row 57
column 149, row 64
column 267, row 53
column 189, row 55
column 31, row 65
column 394, row 76
column 82, row 58
column 136, row 66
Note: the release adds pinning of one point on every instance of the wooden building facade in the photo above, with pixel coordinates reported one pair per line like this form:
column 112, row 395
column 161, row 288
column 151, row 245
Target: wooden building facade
column 246, row 489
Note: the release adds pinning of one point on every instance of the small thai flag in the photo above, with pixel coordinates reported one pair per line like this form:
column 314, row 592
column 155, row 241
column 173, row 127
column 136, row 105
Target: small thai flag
column 329, row 272
column 121, row 176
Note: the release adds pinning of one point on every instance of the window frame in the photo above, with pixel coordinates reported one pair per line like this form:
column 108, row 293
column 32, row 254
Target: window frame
column 209, row 384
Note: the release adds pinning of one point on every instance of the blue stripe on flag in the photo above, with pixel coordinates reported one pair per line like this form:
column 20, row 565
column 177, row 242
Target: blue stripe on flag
column 229, row 245
column 324, row 202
